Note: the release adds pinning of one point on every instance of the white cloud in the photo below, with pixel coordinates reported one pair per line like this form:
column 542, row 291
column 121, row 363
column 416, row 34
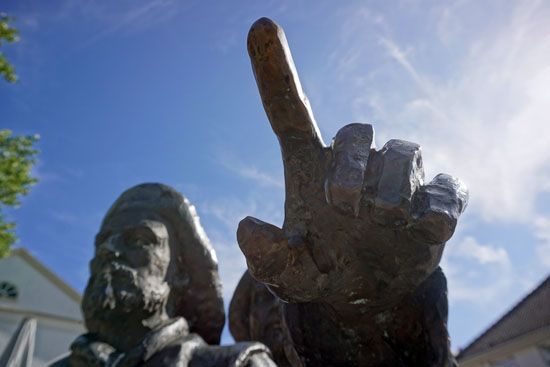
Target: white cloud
column 478, row 273
column 542, row 232
column 401, row 57
column 134, row 17
column 483, row 254
column 64, row 217
column 229, row 211
column 252, row 173
column 232, row 164
column 448, row 26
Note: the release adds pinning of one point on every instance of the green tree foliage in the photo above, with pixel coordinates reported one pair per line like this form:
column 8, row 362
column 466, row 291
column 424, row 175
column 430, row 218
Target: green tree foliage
column 17, row 157
column 17, row 154
column 7, row 34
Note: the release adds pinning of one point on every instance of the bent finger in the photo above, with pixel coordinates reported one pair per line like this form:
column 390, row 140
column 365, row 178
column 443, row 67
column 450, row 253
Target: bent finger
column 437, row 206
column 350, row 154
column 401, row 173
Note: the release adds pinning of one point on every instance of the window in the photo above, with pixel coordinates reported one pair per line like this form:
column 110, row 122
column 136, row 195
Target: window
column 8, row 291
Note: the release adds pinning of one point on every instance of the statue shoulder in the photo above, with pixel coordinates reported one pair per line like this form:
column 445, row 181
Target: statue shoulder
column 193, row 351
column 237, row 355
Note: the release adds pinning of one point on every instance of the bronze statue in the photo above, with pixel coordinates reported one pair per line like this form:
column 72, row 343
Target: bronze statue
column 354, row 269
column 351, row 279
column 256, row 314
column 154, row 295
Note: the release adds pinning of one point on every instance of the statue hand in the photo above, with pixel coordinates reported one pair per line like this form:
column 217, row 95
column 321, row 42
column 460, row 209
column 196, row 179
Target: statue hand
column 361, row 226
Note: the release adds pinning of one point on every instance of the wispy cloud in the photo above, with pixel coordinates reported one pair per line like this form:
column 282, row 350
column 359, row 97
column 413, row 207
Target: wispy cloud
column 483, row 254
column 478, row 273
column 542, row 232
column 64, row 217
column 401, row 57
column 237, row 166
column 119, row 18
column 229, row 211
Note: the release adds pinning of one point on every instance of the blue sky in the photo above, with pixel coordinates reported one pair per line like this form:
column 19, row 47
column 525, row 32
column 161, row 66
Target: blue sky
column 137, row 91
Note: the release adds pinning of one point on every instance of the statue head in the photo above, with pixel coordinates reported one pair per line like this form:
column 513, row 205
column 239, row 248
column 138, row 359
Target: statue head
column 153, row 261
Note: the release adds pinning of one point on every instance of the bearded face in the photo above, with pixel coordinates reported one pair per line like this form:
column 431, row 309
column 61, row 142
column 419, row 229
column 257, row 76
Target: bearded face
column 128, row 271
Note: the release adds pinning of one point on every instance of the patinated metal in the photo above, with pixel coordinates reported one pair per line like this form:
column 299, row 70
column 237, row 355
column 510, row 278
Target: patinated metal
column 154, row 294
column 354, row 268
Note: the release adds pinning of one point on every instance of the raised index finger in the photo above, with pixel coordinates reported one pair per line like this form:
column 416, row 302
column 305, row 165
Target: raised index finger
column 284, row 101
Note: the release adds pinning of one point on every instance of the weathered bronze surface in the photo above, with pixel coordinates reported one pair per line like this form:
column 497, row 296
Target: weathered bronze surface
column 351, row 279
column 154, row 295
column 354, row 269
column 256, row 314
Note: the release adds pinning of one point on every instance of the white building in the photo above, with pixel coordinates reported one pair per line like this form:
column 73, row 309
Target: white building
column 520, row 338
column 28, row 290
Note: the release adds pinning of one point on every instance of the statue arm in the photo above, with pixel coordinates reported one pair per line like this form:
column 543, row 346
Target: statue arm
column 363, row 231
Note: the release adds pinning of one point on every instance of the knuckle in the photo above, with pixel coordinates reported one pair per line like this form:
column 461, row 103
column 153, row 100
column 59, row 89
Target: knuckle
column 401, row 174
column 345, row 179
column 438, row 205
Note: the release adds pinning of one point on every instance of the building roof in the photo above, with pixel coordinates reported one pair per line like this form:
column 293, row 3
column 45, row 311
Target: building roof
column 47, row 273
column 530, row 314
